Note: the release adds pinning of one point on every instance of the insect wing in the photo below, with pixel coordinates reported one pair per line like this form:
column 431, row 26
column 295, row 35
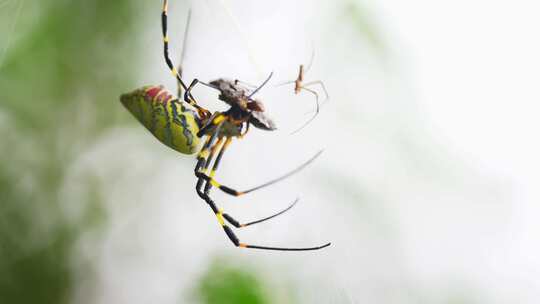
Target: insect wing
column 261, row 121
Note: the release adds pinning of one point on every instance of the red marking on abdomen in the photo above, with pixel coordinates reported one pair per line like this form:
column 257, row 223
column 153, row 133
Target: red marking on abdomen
column 163, row 97
column 158, row 94
column 152, row 92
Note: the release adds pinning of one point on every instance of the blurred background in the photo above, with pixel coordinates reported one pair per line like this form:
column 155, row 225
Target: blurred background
column 427, row 188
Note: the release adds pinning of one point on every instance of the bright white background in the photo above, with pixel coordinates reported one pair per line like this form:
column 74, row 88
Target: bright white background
column 474, row 67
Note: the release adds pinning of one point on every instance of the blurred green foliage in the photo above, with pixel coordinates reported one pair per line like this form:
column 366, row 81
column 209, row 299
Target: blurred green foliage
column 226, row 283
column 60, row 76
column 68, row 50
column 362, row 21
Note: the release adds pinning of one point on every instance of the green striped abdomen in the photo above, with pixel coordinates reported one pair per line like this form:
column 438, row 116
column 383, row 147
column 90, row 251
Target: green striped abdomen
column 164, row 116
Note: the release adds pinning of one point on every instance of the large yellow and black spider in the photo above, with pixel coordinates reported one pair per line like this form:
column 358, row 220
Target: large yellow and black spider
column 175, row 125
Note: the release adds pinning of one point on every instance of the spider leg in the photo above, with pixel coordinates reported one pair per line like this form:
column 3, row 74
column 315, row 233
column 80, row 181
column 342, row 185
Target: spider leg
column 322, row 86
column 311, row 60
column 183, row 52
column 285, row 83
column 187, row 93
column 203, row 161
column 202, row 111
column 204, row 157
column 208, row 187
column 213, row 150
column 208, row 150
column 221, row 217
column 217, row 119
column 234, row 192
column 236, row 224
column 316, row 111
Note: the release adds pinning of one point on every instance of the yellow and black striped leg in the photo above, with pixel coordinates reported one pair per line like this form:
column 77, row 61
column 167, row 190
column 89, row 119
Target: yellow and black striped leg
column 237, row 224
column 213, row 150
column 204, row 159
column 187, row 93
column 234, row 239
column 202, row 111
column 215, row 120
column 208, row 185
column 234, row 192
column 205, row 155
column 206, row 196
column 168, row 60
column 229, row 218
column 221, row 217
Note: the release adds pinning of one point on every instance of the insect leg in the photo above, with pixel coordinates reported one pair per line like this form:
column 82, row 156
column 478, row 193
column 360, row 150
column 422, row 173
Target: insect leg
column 187, row 93
column 262, row 85
column 237, row 81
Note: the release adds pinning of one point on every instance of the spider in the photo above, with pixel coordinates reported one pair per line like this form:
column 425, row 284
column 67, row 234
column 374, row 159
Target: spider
column 299, row 85
column 180, row 128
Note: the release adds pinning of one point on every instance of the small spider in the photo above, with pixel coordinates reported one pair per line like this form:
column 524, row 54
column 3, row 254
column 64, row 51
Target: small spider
column 299, row 85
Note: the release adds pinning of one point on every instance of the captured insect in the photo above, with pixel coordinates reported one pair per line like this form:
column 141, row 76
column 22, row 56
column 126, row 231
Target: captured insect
column 176, row 125
column 299, row 85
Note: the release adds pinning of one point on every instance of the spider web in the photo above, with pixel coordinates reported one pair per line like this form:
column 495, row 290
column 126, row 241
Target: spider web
column 251, row 52
column 221, row 10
